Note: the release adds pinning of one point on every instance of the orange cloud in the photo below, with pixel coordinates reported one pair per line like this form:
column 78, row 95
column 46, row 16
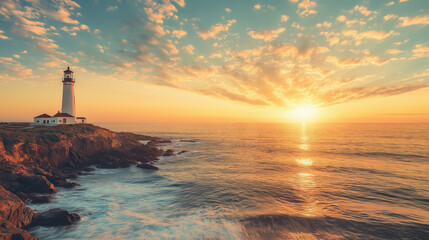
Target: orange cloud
column 215, row 30
column 416, row 20
column 266, row 35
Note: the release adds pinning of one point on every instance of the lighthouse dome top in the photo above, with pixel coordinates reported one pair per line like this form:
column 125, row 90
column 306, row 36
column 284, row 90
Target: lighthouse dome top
column 68, row 70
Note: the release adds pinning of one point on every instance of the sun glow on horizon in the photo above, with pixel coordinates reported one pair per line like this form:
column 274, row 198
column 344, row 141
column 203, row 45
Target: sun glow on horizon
column 303, row 113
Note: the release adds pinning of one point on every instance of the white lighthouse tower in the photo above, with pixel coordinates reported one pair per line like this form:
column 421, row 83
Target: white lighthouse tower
column 68, row 110
column 68, row 93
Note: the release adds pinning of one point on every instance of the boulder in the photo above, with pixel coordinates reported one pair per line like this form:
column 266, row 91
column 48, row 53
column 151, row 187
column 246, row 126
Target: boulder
column 147, row 166
column 40, row 199
column 181, row 152
column 33, row 184
column 55, row 217
column 9, row 232
column 13, row 209
column 168, row 153
column 189, row 140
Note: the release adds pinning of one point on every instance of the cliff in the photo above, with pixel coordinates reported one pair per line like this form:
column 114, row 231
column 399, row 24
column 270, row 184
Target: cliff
column 35, row 160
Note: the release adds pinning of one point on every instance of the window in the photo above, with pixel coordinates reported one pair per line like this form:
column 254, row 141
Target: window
column 64, row 120
column 37, row 121
column 59, row 121
column 44, row 121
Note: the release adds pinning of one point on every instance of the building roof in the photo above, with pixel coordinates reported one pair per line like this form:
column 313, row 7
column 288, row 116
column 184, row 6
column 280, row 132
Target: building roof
column 81, row 117
column 43, row 116
column 62, row 115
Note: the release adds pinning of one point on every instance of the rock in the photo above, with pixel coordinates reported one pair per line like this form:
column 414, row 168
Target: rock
column 147, row 166
column 71, row 185
column 181, row 152
column 33, row 184
column 13, row 209
column 168, row 153
column 9, row 232
column 188, row 140
column 162, row 141
column 55, row 217
column 40, row 199
column 88, row 169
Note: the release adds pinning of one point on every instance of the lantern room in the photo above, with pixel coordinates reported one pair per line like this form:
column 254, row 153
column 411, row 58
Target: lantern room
column 68, row 75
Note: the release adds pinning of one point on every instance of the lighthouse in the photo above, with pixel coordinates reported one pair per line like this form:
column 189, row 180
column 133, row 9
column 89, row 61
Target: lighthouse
column 68, row 93
column 68, row 110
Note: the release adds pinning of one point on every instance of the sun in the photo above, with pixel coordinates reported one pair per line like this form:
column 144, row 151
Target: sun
column 303, row 113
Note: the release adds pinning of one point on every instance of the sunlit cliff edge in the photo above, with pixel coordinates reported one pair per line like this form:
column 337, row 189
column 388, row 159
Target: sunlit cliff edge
column 35, row 161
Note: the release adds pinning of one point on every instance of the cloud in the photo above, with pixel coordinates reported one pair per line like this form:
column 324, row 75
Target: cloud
column 390, row 16
column 284, row 18
column 257, row 6
column 324, row 24
column 390, row 3
column 112, row 8
column 61, row 14
column 179, row 33
column 420, row 50
column 12, row 70
column 100, row 48
column 180, row 2
column 341, row 18
column 227, row 10
column 362, row 10
column 2, row 36
column 46, row 45
column 415, row 20
column 157, row 30
column 158, row 12
column 84, row 27
column 332, row 37
column 169, row 48
column 215, row 30
column 306, row 7
column 189, row 49
column 359, row 36
column 393, row 51
column 266, row 35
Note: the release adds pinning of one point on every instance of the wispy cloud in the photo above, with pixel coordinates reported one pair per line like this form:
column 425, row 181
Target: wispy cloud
column 215, row 30
column 415, row 20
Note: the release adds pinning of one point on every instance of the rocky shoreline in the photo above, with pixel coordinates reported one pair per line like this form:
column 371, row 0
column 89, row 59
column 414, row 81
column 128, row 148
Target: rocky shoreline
column 36, row 160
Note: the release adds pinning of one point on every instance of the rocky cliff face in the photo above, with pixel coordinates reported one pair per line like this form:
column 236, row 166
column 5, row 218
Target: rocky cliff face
column 35, row 160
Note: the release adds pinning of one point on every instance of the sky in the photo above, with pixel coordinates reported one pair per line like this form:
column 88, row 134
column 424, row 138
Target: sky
column 206, row 60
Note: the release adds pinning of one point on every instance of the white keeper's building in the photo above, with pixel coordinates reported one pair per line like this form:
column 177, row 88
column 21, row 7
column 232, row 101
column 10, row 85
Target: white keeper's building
column 68, row 110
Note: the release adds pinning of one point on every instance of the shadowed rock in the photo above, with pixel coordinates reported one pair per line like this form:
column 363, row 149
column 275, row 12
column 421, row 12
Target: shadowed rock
column 14, row 215
column 147, row 166
column 168, row 153
column 40, row 199
column 55, row 217
column 14, row 210
column 10, row 232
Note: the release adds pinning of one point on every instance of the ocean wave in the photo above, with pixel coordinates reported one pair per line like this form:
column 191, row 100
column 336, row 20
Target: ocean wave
column 283, row 226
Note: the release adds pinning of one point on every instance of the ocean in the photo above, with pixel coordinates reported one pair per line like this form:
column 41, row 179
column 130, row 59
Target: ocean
column 260, row 181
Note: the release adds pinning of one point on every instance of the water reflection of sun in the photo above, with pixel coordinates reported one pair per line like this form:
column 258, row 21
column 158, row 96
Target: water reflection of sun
column 304, row 161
